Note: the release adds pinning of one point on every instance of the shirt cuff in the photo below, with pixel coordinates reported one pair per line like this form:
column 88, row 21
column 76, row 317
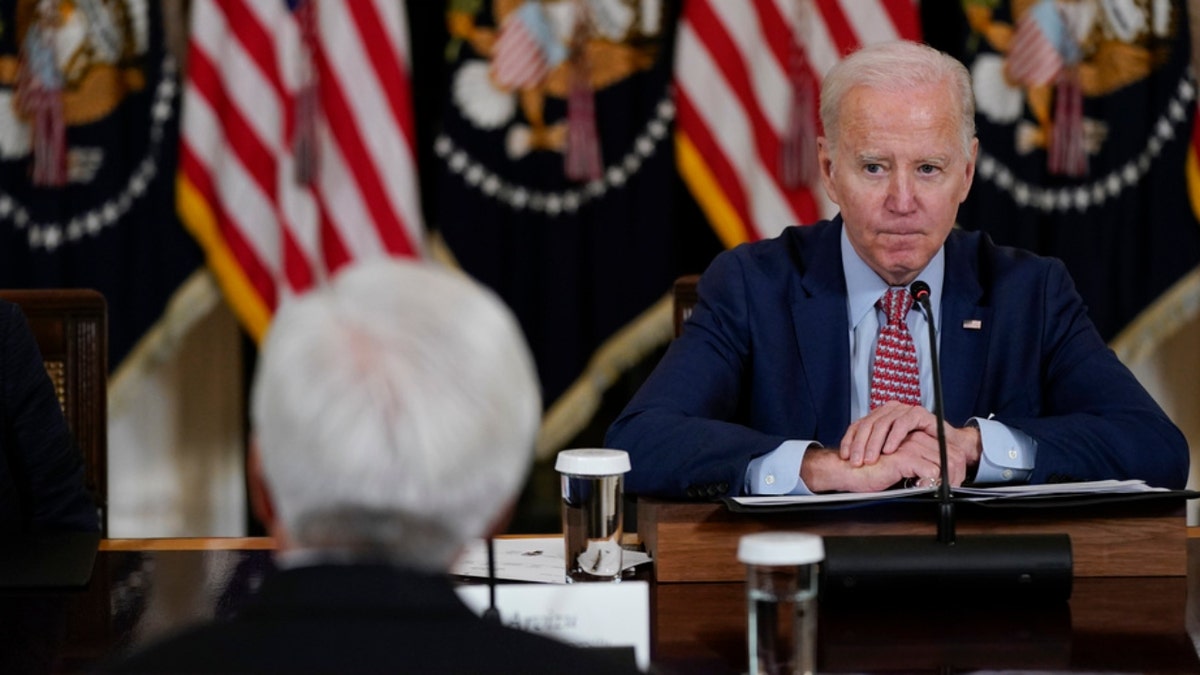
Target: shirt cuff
column 778, row 471
column 1008, row 454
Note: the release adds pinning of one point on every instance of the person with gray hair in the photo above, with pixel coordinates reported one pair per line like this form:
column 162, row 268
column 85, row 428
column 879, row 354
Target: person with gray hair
column 394, row 413
column 377, row 396
column 805, row 365
column 899, row 68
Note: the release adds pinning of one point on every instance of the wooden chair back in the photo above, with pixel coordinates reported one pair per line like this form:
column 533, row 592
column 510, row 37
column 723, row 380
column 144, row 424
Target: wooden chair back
column 71, row 329
column 684, row 299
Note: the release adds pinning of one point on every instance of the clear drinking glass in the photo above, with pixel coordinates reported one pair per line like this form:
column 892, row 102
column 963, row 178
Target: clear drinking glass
column 592, row 484
column 782, row 569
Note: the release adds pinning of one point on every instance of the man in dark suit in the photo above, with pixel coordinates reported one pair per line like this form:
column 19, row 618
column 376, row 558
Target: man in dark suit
column 394, row 412
column 792, row 377
column 41, row 469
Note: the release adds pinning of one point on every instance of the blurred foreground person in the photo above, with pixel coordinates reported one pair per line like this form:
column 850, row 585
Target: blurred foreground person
column 41, row 468
column 394, row 414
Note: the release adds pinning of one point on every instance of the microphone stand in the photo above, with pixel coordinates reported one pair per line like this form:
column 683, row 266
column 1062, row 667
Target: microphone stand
column 491, row 613
column 946, row 516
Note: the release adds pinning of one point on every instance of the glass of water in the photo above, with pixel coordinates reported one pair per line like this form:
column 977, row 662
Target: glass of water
column 592, row 480
column 782, row 569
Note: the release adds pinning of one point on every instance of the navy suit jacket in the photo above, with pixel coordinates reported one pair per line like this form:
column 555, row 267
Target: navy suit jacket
column 41, row 470
column 765, row 358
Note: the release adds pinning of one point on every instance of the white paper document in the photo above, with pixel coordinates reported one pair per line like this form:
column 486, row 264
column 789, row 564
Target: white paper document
column 968, row 493
column 537, row 559
column 830, row 498
column 1111, row 487
column 587, row 615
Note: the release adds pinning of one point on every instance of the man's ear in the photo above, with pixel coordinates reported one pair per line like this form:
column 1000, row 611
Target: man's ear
column 262, row 503
column 970, row 170
column 825, row 164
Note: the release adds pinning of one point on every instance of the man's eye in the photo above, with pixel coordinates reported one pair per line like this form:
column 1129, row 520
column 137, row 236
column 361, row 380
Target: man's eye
column 873, row 168
column 928, row 169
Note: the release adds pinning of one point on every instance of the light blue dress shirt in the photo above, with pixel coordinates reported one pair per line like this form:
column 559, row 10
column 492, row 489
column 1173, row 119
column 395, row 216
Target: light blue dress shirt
column 1008, row 454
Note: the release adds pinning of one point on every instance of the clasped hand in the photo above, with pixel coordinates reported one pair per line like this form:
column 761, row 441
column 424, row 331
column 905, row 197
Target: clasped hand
column 890, row 444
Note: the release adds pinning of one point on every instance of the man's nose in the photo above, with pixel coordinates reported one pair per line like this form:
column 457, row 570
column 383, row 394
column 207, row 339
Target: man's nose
column 901, row 197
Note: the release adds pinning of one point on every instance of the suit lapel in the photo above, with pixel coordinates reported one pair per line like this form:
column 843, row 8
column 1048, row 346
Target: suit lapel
column 965, row 331
column 818, row 301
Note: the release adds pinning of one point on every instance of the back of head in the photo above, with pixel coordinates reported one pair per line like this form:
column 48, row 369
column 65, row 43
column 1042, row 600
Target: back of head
column 897, row 67
column 395, row 412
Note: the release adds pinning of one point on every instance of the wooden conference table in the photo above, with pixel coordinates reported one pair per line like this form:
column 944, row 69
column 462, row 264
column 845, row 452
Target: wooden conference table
column 141, row 589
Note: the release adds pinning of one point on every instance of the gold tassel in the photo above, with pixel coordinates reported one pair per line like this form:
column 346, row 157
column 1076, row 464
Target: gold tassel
column 307, row 101
column 1068, row 156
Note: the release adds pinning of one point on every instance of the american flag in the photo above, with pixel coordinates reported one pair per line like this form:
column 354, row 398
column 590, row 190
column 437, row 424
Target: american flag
column 521, row 52
column 1035, row 56
column 734, row 96
column 268, row 232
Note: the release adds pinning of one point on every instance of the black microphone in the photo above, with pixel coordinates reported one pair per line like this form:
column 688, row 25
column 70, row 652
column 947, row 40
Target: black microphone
column 945, row 533
column 971, row 569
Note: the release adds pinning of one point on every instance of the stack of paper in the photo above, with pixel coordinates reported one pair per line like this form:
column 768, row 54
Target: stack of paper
column 967, row 493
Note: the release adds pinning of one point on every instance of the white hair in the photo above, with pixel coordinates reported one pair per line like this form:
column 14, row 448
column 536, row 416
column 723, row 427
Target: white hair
column 896, row 67
column 395, row 412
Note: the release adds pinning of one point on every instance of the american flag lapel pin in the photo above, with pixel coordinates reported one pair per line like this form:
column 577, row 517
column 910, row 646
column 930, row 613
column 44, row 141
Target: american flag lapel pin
column 972, row 324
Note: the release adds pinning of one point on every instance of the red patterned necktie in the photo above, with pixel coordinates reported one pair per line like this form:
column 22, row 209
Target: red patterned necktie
column 895, row 376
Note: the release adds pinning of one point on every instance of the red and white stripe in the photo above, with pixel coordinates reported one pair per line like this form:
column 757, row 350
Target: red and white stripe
column 733, row 95
column 518, row 62
column 277, row 236
column 1032, row 58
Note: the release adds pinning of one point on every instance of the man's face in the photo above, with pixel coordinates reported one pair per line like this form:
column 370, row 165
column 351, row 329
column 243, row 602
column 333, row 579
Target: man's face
column 898, row 176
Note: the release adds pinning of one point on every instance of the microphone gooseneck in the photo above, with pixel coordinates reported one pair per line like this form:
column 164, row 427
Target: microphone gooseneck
column 920, row 293
column 491, row 613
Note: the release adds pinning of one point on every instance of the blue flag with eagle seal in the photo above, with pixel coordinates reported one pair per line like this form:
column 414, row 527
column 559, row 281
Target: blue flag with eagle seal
column 557, row 184
column 89, row 101
column 1084, row 111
